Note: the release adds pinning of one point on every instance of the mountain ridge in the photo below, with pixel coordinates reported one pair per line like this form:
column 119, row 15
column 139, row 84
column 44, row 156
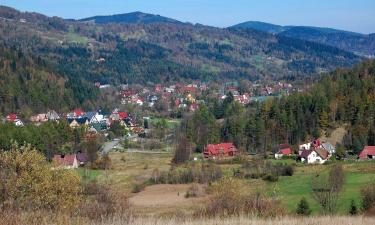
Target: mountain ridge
column 361, row 44
column 130, row 18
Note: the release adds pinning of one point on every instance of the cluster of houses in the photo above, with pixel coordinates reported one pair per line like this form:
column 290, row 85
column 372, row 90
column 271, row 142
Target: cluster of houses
column 189, row 96
column 95, row 121
column 314, row 152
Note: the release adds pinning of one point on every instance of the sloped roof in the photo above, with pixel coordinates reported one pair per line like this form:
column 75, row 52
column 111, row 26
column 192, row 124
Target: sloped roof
column 65, row 160
column 305, row 153
column 218, row 149
column 322, row 153
column 367, row 151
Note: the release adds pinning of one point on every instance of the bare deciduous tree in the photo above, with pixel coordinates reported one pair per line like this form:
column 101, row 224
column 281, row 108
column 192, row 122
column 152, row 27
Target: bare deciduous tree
column 326, row 189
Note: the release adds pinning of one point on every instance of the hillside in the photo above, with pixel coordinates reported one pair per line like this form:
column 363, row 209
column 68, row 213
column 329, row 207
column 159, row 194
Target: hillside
column 148, row 52
column 28, row 82
column 360, row 44
column 131, row 18
column 342, row 99
column 83, row 53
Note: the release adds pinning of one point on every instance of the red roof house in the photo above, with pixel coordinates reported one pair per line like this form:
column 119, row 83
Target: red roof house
column 219, row 150
column 78, row 113
column 66, row 161
column 12, row 117
column 367, row 153
column 284, row 149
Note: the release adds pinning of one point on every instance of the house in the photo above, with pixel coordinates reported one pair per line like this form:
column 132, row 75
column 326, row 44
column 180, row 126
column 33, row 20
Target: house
column 329, row 147
column 318, row 156
column 82, row 158
column 78, row 113
column 284, row 150
column 118, row 115
column 53, row 116
column 66, row 161
column 219, row 150
column 74, row 123
column 39, row 118
column 13, row 118
column 368, row 152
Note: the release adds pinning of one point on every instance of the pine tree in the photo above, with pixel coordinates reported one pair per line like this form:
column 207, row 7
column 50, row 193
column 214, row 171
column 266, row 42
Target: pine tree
column 303, row 208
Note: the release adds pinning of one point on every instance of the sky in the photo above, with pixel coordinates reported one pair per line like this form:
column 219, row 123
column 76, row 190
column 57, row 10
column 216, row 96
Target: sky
column 351, row 15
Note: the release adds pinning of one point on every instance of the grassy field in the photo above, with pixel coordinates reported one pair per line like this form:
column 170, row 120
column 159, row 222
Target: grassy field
column 292, row 189
column 135, row 168
column 26, row 219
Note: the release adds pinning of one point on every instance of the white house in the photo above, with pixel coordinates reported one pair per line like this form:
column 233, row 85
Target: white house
column 315, row 156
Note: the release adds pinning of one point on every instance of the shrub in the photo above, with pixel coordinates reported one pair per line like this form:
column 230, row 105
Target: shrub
column 28, row 182
column 270, row 178
column 136, row 188
column 195, row 190
column 228, row 200
column 303, row 208
column 368, row 197
column 353, row 210
column 204, row 173
column 102, row 202
column 103, row 163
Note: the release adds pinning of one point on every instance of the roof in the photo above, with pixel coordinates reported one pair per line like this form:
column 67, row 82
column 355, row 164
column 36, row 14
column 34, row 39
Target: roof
column 12, row 117
column 367, row 151
column 328, row 146
column 65, row 160
column 79, row 112
column 322, row 153
column 223, row 148
column 82, row 157
column 90, row 115
column 305, row 153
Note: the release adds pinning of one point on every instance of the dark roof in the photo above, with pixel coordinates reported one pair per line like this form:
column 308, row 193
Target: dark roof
column 322, row 153
column 90, row 115
column 82, row 157
column 305, row 153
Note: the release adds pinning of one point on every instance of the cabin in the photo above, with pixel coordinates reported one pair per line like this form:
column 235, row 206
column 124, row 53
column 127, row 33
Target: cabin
column 368, row 152
column 66, row 161
column 284, row 150
column 70, row 161
column 219, row 150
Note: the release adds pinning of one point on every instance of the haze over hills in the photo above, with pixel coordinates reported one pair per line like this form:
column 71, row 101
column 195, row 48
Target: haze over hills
column 361, row 44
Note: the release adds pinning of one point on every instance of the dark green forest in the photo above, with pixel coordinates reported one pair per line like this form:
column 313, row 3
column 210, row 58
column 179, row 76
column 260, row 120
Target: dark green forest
column 343, row 98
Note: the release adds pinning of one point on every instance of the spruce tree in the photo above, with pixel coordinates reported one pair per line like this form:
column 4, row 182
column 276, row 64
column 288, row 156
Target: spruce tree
column 303, row 208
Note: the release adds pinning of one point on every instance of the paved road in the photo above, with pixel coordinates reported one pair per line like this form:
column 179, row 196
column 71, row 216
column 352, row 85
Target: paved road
column 108, row 146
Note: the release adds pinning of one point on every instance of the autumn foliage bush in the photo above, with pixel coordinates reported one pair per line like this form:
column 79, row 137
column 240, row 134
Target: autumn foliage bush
column 28, row 182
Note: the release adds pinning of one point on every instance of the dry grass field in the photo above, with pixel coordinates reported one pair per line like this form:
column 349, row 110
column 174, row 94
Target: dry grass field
column 118, row 220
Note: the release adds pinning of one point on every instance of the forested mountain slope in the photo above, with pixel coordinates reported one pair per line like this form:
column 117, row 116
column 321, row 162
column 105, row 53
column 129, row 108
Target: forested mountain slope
column 360, row 44
column 28, row 82
column 150, row 52
column 344, row 98
column 131, row 18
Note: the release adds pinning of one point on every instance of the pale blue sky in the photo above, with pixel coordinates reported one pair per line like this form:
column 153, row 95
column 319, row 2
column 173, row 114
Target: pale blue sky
column 353, row 15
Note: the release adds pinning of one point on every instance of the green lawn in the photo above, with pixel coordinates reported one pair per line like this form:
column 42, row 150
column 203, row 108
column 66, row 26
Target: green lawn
column 88, row 173
column 292, row 189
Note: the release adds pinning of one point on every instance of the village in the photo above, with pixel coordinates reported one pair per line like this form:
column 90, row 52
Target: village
column 160, row 100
